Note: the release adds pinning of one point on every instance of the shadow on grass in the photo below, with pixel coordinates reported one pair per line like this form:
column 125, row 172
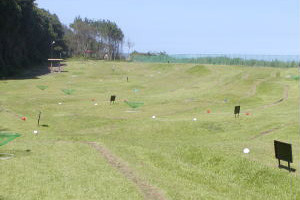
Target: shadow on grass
column 285, row 167
column 3, row 129
column 31, row 73
column 17, row 152
column 45, row 125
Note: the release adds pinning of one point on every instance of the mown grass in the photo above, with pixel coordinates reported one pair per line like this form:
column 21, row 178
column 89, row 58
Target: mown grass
column 186, row 159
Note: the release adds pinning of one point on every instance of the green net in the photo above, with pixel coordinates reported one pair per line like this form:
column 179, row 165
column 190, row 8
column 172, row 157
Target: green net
column 134, row 104
column 42, row 87
column 68, row 91
column 217, row 59
column 7, row 137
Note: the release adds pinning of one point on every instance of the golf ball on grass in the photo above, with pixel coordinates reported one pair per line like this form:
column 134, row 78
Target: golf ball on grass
column 195, row 119
column 246, row 150
column 35, row 132
column 96, row 104
column 153, row 117
column 59, row 103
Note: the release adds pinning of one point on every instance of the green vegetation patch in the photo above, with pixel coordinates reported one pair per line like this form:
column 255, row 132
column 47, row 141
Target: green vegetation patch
column 7, row 137
column 68, row 91
column 134, row 104
column 42, row 87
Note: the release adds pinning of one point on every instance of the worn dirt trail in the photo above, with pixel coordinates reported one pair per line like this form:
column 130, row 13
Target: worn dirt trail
column 149, row 192
column 285, row 96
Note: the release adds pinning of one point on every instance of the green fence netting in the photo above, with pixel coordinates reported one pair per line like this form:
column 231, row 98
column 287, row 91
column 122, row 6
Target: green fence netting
column 247, row 60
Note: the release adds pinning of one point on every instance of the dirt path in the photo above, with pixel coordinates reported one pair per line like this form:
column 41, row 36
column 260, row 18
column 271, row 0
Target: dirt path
column 252, row 91
column 149, row 191
column 245, row 76
column 285, row 96
column 268, row 131
column 271, row 130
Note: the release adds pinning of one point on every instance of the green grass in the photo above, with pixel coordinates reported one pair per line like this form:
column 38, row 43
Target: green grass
column 198, row 70
column 186, row 159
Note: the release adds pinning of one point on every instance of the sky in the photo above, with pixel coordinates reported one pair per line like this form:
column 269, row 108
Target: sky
column 268, row 27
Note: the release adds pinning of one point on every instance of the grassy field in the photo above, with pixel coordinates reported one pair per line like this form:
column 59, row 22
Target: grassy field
column 172, row 155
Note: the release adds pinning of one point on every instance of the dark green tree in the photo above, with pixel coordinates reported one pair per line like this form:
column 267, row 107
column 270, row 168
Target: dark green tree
column 26, row 33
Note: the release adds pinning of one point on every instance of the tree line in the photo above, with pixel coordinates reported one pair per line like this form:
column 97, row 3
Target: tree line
column 94, row 38
column 30, row 35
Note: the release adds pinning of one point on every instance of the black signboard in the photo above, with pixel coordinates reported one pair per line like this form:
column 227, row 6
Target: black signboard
column 112, row 98
column 39, row 118
column 283, row 151
column 237, row 110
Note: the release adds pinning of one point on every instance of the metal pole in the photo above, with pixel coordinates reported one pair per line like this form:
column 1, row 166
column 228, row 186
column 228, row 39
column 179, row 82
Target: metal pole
column 53, row 42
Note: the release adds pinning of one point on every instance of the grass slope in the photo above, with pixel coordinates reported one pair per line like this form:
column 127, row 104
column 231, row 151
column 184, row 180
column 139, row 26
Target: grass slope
column 186, row 159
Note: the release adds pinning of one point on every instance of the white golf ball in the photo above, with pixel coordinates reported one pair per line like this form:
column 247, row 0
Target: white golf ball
column 195, row 119
column 246, row 150
column 35, row 131
column 59, row 103
column 153, row 117
column 96, row 104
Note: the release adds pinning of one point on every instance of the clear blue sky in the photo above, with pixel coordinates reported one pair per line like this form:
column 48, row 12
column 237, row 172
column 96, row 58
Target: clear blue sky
column 195, row 26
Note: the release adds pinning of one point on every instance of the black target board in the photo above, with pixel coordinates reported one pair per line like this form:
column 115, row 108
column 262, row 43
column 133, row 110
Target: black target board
column 39, row 118
column 237, row 110
column 283, row 151
column 112, row 98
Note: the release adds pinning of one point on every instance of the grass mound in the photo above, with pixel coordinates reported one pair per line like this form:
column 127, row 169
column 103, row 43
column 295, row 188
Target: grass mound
column 198, row 70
